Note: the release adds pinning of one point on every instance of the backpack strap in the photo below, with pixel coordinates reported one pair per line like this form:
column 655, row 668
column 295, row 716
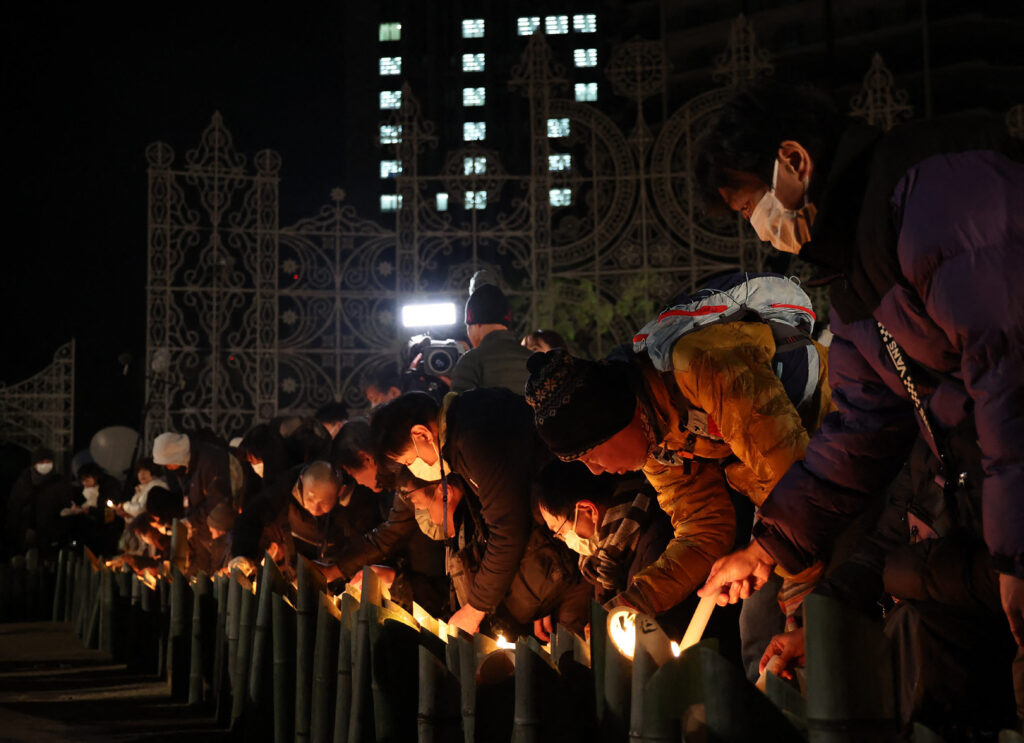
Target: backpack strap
column 788, row 337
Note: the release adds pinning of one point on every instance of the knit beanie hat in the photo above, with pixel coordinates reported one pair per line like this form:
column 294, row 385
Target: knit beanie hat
column 221, row 518
column 171, row 448
column 578, row 404
column 488, row 305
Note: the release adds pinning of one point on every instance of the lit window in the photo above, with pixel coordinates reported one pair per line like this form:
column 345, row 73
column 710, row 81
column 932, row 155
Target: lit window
column 558, row 128
column 561, row 196
column 390, row 202
column 527, row 25
column 390, row 99
column 473, row 96
column 390, row 168
column 476, row 199
column 390, row 133
column 474, row 165
column 391, row 65
column 584, row 57
column 586, row 91
column 557, row 24
column 390, row 32
column 559, row 162
column 473, row 62
column 474, row 131
column 473, row 28
column 585, row 23
column 442, row 202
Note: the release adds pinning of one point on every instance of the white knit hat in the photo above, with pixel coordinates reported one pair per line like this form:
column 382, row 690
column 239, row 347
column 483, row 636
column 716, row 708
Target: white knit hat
column 171, row 448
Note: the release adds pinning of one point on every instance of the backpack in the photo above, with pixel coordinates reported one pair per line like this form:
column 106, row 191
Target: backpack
column 750, row 297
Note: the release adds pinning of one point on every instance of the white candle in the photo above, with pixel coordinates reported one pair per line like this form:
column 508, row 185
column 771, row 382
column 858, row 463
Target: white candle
column 695, row 630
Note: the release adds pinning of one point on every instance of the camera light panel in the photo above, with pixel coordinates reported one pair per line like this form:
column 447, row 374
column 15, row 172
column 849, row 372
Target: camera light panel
column 432, row 315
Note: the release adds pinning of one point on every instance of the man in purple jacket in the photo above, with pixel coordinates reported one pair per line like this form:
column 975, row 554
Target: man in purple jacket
column 919, row 233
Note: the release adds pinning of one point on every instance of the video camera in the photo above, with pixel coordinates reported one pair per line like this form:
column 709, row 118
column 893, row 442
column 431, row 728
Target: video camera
column 427, row 362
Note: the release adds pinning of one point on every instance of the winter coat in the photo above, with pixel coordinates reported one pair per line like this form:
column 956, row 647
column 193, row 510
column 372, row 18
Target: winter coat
column 488, row 438
column 207, row 482
column 137, row 505
column 276, row 515
column 920, row 230
column 757, row 434
column 33, row 509
column 499, row 361
column 545, row 582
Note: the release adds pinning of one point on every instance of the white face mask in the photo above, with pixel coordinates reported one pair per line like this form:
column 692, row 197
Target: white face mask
column 427, row 525
column 44, row 468
column 422, row 470
column 786, row 229
column 91, row 495
column 576, row 543
column 257, row 468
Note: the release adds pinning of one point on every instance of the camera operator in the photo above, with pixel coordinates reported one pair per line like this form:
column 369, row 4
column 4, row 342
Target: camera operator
column 496, row 359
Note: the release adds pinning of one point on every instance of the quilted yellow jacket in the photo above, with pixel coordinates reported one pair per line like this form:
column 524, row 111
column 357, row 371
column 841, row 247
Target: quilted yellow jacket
column 724, row 370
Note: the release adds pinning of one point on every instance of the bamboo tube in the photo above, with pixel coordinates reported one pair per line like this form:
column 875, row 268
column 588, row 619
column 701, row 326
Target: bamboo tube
column 644, row 667
column 179, row 545
column 178, row 636
column 850, row 678
column 284, row 669
column 220, row 684
column 536, row 683
column 394, row 656
column 466, row 671
column 58, row 594
column 163, row 614
column 246, row 632
column 325, row 671
column 106, row 618
column 91, row 639
column 361, row 727
column 310, row 586
column 199, row 648
column 231, row 622
column 438, row 710
column 343, row 699
column 270, row 580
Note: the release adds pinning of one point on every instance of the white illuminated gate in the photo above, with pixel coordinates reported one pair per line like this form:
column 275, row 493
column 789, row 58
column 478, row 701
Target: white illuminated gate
column 248, row 319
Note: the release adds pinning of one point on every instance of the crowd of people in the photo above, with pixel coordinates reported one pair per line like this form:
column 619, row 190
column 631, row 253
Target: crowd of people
column 723, row 451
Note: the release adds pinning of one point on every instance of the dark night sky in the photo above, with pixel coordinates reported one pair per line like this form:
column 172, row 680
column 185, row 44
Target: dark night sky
column 82, row 101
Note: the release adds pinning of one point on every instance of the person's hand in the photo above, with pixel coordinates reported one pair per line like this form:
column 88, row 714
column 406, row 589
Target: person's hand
column 1011, row 593
column 789, row 649
column 467, row 619
column 542, row 628
column 738, row 575
column 244, row 564
column 385, row 573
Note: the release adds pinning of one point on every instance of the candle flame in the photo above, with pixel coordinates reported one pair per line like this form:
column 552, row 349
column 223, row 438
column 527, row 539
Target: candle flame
column 110, row 503
column 503, row 643
column 676, row 650
column 622, row 630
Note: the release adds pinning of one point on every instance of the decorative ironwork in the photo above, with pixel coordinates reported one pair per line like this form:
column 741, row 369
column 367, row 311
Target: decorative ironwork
column 879, row 102
column 742, row 61
column 259, row 319
column 40, row 410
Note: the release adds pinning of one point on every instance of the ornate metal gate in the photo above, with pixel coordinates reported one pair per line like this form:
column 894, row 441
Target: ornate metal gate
column 40, row 411
column 248, row 319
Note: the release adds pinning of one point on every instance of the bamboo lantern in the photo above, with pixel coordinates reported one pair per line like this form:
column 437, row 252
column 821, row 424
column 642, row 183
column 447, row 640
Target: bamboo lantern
column 58, row 594
column 243, row 655
column 260, row 672
column 361, row 717
column 231, row 624
column 178, row 636
column 325, row 671
column 106, row 618
column 536, row 692
column 284, row 668
column 394, row 654
column 851, row 692
column 310, row 586
column 438, row 715
column 200, row 647
column 220, row 680
column 179, row 545
column 343, row 699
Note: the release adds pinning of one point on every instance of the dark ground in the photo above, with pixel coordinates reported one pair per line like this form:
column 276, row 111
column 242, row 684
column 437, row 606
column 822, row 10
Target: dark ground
column 54, row 689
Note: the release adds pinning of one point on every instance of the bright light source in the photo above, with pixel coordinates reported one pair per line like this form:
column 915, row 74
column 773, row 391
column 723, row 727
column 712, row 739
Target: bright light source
column 436, row 315
column 505, row 644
